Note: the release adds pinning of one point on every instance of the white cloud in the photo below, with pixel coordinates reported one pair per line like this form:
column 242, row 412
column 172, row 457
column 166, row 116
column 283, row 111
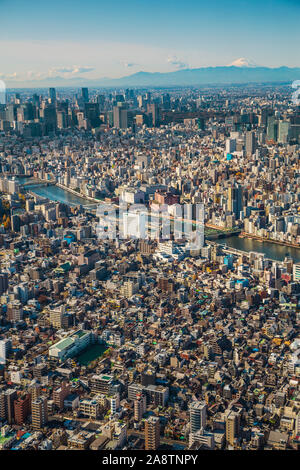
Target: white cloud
column 9, row 76
column 64, row 72
column 74, row 70
column 179, row 64
column 129, row 64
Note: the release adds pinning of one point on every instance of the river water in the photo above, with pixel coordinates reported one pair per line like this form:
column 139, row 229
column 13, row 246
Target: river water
column 58, row 194
column 54, row 193
column 271, row 250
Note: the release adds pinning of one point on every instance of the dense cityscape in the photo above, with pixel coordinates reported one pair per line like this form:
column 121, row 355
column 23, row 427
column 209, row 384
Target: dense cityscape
column 140, row 342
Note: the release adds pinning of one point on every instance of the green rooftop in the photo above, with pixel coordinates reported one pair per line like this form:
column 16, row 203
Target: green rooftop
column 80, row 333
column 64, row 343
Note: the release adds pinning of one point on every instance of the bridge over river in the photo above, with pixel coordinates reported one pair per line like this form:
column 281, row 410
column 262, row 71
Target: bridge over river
column 271, row 250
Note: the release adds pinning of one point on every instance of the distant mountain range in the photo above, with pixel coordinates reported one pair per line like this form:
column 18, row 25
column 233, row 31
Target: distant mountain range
column 210, row 76
column 232, row 74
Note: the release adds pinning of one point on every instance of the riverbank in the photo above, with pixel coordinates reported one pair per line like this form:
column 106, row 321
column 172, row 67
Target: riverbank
column 268, row 240
column 76, row 193
column 219, row 236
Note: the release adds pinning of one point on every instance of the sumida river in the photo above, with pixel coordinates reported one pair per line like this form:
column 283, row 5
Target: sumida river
column 271, row 250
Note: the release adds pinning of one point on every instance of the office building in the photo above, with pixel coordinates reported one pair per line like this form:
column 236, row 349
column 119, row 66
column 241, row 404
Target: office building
column 3, row 282
column 202, row 439
column 5, row 346
column 230, row 146
column 296, row 272
column 101, row 383
column 60, row 394
column 139, row 406
column 197, row 415
column 39, row 412
column 152, row 433
column 52, row 94
column 284, row 131
column 14, row 311
column 120, row 117
column 7, row 398
column 251, row 144
column 22, row 409
column 235, row 200
column 114, row 403
column 272, row 129
column 90, row 407
column 85, row 95
column 232, row 421
column 153, row 110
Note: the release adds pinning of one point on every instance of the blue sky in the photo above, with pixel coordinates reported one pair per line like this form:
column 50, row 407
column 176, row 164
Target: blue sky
column 89, row 38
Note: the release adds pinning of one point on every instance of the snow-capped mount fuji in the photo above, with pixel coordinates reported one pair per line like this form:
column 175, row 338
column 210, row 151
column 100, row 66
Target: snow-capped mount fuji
column 242, row 62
